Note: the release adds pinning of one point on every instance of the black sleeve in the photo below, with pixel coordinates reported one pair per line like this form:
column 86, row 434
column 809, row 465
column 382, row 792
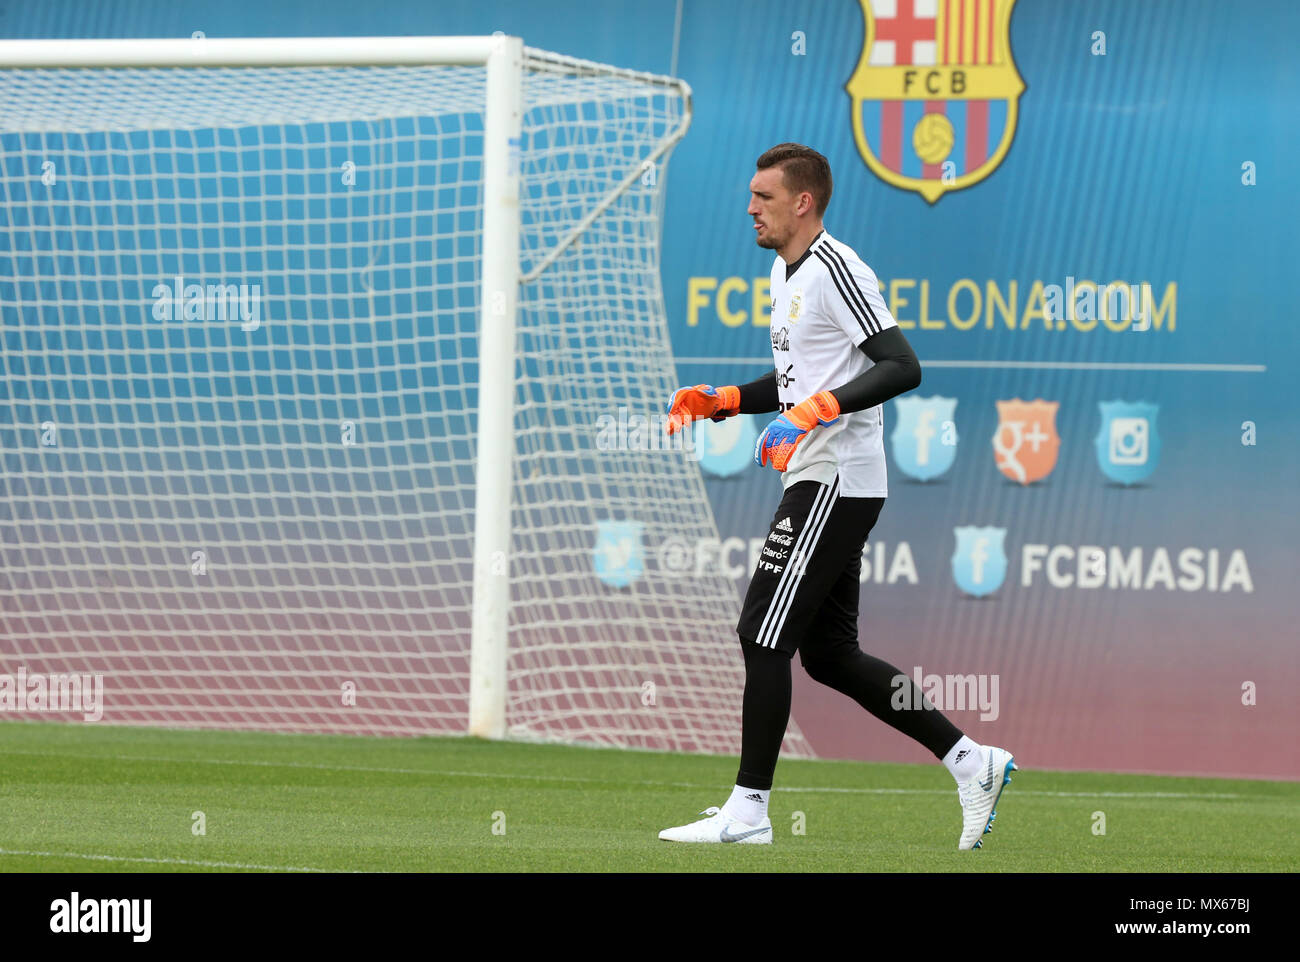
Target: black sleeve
column 896, row 371
column 760, row 396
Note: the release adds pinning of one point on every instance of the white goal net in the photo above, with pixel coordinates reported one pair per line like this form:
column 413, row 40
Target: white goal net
column 239, row 393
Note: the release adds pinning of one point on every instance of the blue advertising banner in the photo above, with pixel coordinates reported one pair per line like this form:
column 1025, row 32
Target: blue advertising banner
column 1083, row 218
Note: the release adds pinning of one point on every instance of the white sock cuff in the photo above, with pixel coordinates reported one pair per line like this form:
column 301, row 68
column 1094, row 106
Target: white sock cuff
column 748, row 805
column 965, row 759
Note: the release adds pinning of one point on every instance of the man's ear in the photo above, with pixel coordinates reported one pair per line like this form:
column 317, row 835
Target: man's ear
column 806, row 203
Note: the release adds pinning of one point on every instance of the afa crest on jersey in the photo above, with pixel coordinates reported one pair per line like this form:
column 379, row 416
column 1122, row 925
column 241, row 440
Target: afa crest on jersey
column 1128, row 445
column 979, row 563
column 924, row 440
column 1025, row 444
column 796, row 302
column 935, row 92
column 618, row 556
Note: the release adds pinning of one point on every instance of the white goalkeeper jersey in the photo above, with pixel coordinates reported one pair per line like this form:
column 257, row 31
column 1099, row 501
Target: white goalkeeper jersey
column 827, row 307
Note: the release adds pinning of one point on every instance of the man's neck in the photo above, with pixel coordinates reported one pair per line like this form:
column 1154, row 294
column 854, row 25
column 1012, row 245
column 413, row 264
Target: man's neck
column 800, row 243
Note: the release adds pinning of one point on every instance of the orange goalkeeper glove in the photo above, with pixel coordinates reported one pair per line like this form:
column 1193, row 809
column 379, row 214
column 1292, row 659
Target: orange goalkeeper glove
column 702, row 401
column 781, row 438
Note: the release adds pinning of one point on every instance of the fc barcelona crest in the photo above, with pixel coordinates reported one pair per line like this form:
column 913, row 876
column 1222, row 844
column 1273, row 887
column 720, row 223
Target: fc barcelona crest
column 935, row 92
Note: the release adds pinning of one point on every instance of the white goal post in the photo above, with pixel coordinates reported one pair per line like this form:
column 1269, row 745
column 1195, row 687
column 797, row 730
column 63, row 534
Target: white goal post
column 371, row 501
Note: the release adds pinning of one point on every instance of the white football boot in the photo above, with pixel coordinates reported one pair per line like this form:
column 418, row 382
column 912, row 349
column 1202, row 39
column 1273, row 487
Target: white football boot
column 979, row 796
column 720, row 827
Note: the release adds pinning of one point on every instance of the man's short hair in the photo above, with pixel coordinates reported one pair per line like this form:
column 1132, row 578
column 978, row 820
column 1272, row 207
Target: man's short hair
column 802, row 169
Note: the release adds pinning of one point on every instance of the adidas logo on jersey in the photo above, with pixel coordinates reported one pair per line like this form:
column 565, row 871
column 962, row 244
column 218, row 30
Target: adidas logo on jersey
column 784, row 525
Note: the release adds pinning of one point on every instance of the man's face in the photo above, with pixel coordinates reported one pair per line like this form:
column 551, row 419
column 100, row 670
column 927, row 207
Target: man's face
column 773, row 207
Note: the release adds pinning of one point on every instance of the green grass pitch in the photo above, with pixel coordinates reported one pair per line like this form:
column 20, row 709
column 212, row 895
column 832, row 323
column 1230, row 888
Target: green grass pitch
column 115, row 799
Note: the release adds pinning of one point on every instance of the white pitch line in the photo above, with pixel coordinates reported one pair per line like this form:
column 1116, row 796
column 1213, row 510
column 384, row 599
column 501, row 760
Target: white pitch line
column 163, row 861
column 520, row 776
column 1019, row 792
column 344, row 768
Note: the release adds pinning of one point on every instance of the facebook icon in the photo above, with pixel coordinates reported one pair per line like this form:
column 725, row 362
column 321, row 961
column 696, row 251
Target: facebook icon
column 924, row 440
column 979, row 564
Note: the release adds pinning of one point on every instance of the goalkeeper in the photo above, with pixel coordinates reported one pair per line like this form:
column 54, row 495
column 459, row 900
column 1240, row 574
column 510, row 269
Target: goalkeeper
column 838, row 356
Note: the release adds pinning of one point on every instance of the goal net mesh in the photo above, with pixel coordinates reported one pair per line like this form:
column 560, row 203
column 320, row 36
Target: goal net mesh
column 238, row 396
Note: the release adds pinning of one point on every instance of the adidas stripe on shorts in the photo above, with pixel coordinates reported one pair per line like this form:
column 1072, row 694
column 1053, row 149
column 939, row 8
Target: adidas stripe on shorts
column 804, row 593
